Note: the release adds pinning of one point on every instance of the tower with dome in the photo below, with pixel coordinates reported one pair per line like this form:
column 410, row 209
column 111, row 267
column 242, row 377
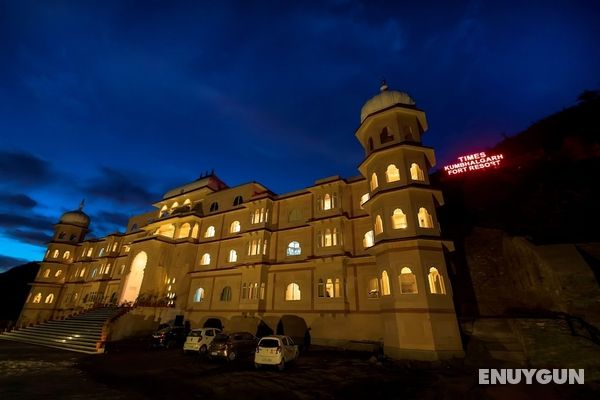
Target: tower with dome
column 346, row 262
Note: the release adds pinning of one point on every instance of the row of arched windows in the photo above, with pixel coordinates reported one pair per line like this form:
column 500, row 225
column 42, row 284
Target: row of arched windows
column 398, row 221
column 259, row 215
column 329, row 237
column 47, row 272
column 392, row 174
column 37, row 299
column 214, row 206
column 63, row 235
column 407, row 282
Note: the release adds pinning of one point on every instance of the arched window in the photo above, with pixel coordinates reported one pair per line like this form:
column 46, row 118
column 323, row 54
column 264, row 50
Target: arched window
column 392, row 174
column 134, row 227
column 214, row 207
column 368, row 239
column 101, row 252
column 337, row 287
column 235, row 227
column 82, row 273
column 320, row 288
column 94, row 272
column 62, row 235
column 385, row 284
column 226, row 294
column 373, row 288
column 184, row 231
column 163, row 212
column 46, row 272
column 374, row 182
column 378, row 225
column 399, row 219
column 205, row 259
column 232, row 256
column 58, row 273
column 238, row 200
column 90, row 251
column 114, row 248
column 195, row 231
column 49, row 299
column 55, row 254
column 167, row 230
column 37, row 298
column 210, row 232
column 364, row 198
column 436, row 282
column 385, row 136
column 330, row 239
column 329, row 288
column 295, row 215
column 416, row 173
column 329, row 201
column 292, row 292
column 174, row 205
column 198, row 295
column 73, row 238
column 187, row 202
column 294, row 249
column 262, row 291
column 425, row 220
column 408, row 281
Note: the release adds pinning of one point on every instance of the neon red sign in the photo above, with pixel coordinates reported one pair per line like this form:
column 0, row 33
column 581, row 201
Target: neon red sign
column 474, row 162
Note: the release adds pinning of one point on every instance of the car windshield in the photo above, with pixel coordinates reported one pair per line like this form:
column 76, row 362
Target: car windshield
column 221, row 337
column 269, row 343
column 195, row 334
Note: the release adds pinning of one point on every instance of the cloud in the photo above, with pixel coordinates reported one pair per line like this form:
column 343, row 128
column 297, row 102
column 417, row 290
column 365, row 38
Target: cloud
column 35, row 237
column 30, row 222
column 17, row 201
column 22, row 169
column 111, row 217
column 121, row 188
column 7, row 262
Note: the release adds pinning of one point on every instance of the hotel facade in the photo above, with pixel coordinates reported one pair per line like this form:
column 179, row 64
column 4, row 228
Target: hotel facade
column 343, row 262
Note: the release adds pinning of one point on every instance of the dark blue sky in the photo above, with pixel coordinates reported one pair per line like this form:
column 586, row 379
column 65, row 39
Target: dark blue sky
column 116, row 101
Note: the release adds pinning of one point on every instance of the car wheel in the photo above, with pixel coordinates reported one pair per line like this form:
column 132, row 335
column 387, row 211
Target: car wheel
column 203, row 349
column 281, row 365
column 231, row 356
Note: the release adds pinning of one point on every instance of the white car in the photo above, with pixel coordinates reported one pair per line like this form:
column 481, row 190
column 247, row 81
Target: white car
column 275, row 350
column 198, row 340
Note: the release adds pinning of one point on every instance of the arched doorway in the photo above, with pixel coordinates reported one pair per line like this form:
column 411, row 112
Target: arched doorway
column 133, row 282
column 213, row 323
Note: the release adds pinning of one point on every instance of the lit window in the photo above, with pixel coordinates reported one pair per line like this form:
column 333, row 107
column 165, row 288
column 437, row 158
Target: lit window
column 254, row 247
column 408, row 281
column 329, row 290
column 235, row 227
column 58, row 273
column 205, row 259
column 436, row 282
column 373, row 288
column 94, row 272
column 226, row 294
column 184, row 231
column 425, row 220
column 399, row 219
column 174, row 205
column 259, row 216
column 115, row 247
column 198, row 295
column 374, row 183
column 187, row 202
column 37, row 298
column 49, row 299
column 238, row 200
column 368, row 239
column 385, row 284
column 329, row 201
column 195, row 231
column 232, row 256
column 101, row 253
column 55, row 254
column 167, row 230
column 82, row 273
column 210, row 232
column 90, row 251
column 416, row 173
column 46, row 272
column 265, row 247
column 294, row 249
column 364, row 198
column 214, row 207
column 392, row 173
column 292, row 292
column 378, row 225
column 262, row 291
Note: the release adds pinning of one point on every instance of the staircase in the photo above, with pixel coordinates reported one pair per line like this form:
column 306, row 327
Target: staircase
column 80, row 333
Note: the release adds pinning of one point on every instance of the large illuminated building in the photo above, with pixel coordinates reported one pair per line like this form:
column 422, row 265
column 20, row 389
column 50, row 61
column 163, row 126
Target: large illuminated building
column 354, row 260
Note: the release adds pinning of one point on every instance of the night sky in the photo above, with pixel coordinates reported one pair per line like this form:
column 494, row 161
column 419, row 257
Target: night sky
column 118, row 101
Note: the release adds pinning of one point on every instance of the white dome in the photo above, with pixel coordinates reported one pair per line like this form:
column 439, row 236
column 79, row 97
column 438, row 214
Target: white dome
column 386, row 98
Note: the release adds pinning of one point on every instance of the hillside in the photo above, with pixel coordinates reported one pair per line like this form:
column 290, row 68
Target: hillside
column 14, row 288
column 547, row 189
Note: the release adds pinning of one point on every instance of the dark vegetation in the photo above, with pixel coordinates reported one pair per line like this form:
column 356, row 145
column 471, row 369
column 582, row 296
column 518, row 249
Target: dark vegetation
column 14, row 288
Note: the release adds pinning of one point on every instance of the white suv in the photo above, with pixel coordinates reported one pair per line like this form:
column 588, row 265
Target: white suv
column 198, row 340
column 275, row 350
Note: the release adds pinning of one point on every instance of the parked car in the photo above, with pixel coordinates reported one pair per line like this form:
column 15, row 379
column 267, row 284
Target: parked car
column 171, row 336
column 232, row 345
column 275, row 350
column 198, row 340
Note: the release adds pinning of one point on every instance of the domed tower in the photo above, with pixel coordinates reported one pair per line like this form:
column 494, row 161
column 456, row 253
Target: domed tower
column 415, row 295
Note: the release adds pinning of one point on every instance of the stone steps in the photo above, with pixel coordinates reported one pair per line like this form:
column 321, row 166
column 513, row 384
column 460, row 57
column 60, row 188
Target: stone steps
column 80, row 333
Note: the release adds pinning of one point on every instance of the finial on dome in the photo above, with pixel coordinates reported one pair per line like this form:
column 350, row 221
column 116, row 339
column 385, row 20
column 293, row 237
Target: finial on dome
column 81, row 204
column 383, row 86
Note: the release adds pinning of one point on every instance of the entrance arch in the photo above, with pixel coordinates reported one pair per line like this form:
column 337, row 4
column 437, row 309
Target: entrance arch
column 133, row 282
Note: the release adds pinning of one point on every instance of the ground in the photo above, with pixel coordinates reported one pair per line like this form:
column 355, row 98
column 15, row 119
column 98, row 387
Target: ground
column 131, row 371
